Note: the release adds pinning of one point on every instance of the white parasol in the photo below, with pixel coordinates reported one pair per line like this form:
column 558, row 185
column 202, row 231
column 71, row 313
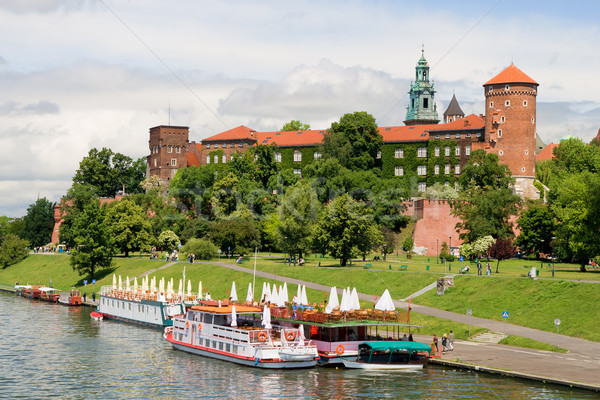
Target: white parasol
column 200, row 290
column 304, row 301
column 233, row 294
column 120, row 287
column 385, row 303
column 264, row 292
column 333, row 301
column 299, row 295
column 153, row 284
column 274, row 295
column 161, row 285
column 280, row 299
column 233, row 317
column 345, row 303
column 269, row 292
column 114, row 282
column 135, row 284
column 249, row 296
column 189, row 288
column 266, row 317
column 127, row 286
column 354, row 302
column 301, row 332
column 180, row 289
column 286, row 297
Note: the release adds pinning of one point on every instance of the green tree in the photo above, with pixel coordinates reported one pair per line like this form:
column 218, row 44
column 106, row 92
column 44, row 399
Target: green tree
column 295, row 125
column 408, row 245
column 235, row 236
column 265, row 163
column 572, row 156
column 482, row 245
column 201, row 248
column 12, row 250
column 130, row 226
column 168, row 241
column 344, row 227
column 94, row 242
column 39, row 222
column 195, row 228
column 355, row 141
column 536, row 224
column 192, row 187
column 297, row 215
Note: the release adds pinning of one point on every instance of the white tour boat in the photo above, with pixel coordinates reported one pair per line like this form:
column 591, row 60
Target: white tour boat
column 207, row 330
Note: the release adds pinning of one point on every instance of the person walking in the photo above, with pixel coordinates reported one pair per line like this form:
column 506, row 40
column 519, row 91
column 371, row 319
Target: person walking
column 444, row 342
column 451, row 341
column 479, row 272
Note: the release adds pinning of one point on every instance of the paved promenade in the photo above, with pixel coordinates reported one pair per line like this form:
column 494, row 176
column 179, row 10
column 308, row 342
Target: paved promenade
column 580, row 367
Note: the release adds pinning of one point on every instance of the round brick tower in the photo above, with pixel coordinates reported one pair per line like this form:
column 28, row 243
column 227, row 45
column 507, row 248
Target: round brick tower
column 510, row 121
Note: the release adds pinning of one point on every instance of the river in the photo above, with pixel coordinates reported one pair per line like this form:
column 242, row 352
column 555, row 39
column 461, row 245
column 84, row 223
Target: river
column 51, row 350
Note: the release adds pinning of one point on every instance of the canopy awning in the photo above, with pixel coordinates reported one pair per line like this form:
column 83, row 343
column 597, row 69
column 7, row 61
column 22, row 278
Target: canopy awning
column 385, row 345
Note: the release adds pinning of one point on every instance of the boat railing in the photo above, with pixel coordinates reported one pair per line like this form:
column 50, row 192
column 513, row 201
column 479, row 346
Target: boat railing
column 139, row 295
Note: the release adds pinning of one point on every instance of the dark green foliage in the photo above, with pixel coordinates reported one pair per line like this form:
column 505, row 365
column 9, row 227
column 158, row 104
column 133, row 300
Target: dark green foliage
column 536, row 224
column 194, row 229
column 294, row 125
column 12, row 250
column 235, row 236
column 201, row 248
column 129, row 225
column 39, row 223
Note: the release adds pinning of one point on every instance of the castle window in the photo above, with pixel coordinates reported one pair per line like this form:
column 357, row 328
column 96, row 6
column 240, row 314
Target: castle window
column 173, row 162
column 478, row 134
column 499, row 133
column 447, row 151
column 437, row 136
column 436, row 169
column 491, row 104
column 532, row 120
column 425, row 102
column 399, row 153
column 297, row 156
column 422, row 170
column 169, row 149
column 458, row 135
column 500, row 153
column 457, row 151
column 240, row 144
column 298, row 171
column 468, row 135
column 507, row 103
column 399, row 171
column 422, row 187
column 523, row 169
column 207, row 146
column 447, row 136
column 378, row 156
column 208, row 159
column 436, row 151
column 216, row 145
column 447, row 169
column 422, row 152
column 506, row 87
column 155, row 162
column 317, row 155
column 502, row 120
column 467, row 150
column 491, row 89
column 231, row 157
column 224, row 159
column 526, row 152
column 278, row 157
column 178, row 149
column 216, row 159
column 457, row 169
column 524, row 103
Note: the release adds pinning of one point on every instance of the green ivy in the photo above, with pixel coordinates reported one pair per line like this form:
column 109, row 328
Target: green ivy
column 287, row 157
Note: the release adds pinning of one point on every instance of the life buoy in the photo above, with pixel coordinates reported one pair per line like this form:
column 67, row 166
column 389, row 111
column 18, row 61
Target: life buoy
column 262, row 337
column 290, row 335
column 199, row 326
column 187, row 325
column 340, row 349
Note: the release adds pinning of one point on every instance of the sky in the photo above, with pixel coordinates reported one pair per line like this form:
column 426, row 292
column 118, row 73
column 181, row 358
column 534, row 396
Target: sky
column 79, row 74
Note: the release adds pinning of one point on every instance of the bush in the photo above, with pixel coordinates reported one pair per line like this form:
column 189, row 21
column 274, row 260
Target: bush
column 201, row 248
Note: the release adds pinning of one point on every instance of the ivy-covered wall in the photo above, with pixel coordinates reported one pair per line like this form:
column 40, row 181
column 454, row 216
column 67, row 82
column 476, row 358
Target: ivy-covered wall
column 441, row 160
column 287, row 157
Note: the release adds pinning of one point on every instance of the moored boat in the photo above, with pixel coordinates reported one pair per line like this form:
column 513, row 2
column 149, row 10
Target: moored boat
column 390, row 355
column 49, row 294
column 70, row 298
column 95, row 315
column 31, row 291
column 207, row 330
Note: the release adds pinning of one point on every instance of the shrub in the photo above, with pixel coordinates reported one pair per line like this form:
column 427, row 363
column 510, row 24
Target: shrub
column 203, row 249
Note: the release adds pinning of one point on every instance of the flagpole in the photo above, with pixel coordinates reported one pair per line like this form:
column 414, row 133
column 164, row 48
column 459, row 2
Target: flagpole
column 254, row 274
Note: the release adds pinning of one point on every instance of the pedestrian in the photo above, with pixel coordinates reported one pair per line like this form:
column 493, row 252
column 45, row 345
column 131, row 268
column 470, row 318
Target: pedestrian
column 451, row 341
column 84, row 297
column 444, row 342
column 479, row 272
column 410, row 338
column 94, row 297
column 488, row 269
column 405, row 338
column 435, row 342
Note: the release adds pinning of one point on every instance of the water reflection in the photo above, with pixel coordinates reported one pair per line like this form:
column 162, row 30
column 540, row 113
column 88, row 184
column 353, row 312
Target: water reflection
column 58, row 351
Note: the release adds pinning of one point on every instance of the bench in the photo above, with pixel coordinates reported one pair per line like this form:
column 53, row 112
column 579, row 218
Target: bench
column 367, row 266
column 403, row 267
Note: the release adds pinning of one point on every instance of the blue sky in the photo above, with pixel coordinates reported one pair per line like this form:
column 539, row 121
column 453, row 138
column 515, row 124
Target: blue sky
column 77, row 74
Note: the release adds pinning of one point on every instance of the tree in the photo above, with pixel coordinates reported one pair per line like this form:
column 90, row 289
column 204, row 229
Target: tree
column 201, row 248
column 487, row 201
column 195, row 228
column 265, row 163
column 445, row 253
column 482, row 245
column 39, row 222
column 297, row 215
column 94, row 242
column 235, row 236
column 408, row 245
column 536, row 224
column 192, row 187
column 130, row 226
column 295, row 125
column 502, row 249
column 355, row 141
column 12, row 250
column 345, row 226
column 168, row 241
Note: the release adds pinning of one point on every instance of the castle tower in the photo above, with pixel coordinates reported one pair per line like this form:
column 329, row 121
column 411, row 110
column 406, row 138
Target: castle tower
column 421, row 108
column 168, row 148
column 510, row 122
column 453, row 112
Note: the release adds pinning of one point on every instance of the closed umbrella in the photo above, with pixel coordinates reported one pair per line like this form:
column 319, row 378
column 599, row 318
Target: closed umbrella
column 114, row 282
column 385, row 303
column 180, row 290
column 269, row 292
column 286, row 297
column 299, row 295
column 266, row 317
column 304, row 298
column 264, row 292
column 274, row 295
column 333, row 301
column 135, row 284
column 233, row 294
column 249, row 296
column 280, row 299
column 301, row 332
column 345, row 303
column 200, row 290
column 354, row 302
column 127, row 286
column 233, row 317
column 189, row 288
column 120, row 283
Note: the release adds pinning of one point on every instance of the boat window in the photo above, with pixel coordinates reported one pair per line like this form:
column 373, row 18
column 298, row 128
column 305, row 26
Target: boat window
column 214, row 344
column 220, row 345
column 228, row 348
column 129, row 306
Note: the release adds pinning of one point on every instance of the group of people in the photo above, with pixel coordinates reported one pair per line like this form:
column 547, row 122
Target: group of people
column 447, row 342
column 488, row 269
column 191, row 257
column 408, row 338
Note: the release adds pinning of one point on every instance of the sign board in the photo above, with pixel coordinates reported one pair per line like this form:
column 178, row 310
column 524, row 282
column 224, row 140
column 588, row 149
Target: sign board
column 462, row 258
column 219, row 251
column 85, row 282
column 469, row 311
column 228, row 248
column 93, row 281
column 557, row 322
column 178, row 245
column 504, row 314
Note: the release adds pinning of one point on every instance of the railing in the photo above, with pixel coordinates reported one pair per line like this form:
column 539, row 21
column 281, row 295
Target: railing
column 335, row 316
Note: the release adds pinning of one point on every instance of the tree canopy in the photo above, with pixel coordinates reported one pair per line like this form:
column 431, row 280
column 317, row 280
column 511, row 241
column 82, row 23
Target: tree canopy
column 39, row 222
column 295, row 125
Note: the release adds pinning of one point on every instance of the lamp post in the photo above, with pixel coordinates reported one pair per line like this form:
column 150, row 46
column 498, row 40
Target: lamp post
column 384, row 251
column 450, row 250
column 552, row 251
column 542, row 251
column 437, row 251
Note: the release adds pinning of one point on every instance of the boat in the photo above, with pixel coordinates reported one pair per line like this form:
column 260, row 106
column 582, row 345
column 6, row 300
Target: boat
column 390, row 355
column 95, row 315
column 31, row 291
column 206, row 330
column 139, row 306
column 20, row 289
column 49, row 294
column 70, row 298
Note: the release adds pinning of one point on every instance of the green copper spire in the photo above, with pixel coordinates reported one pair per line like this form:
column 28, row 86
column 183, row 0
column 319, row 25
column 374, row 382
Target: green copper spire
column 421, row 109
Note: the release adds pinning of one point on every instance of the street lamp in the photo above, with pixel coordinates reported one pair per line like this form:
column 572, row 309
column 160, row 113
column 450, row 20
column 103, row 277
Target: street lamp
column 542, row 252
column 553, row 238
column 384, row 252
column 437, row 251
column 450, row 250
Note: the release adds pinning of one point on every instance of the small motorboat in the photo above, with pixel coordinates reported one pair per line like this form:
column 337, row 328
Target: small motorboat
column 96, row 315
column 390, row 355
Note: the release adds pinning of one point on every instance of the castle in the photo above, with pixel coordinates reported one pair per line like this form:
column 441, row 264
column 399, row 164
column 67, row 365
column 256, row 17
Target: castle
column 423, row 149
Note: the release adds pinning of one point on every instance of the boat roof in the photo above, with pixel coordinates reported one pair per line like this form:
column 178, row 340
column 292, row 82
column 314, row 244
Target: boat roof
column 239, row 309
column 48, row 289
column 348, row 323
column 383, row 345
column 22, row 286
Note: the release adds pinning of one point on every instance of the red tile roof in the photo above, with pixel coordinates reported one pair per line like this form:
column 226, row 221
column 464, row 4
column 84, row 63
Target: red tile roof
column 472, row 121
column 511, row 74
column 241, row 132
column 547, row 153
column 192, row 160
column 291, row 138
column 421, row 132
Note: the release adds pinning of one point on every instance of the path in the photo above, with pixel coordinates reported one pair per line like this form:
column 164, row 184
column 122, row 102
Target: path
column 151, row 271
